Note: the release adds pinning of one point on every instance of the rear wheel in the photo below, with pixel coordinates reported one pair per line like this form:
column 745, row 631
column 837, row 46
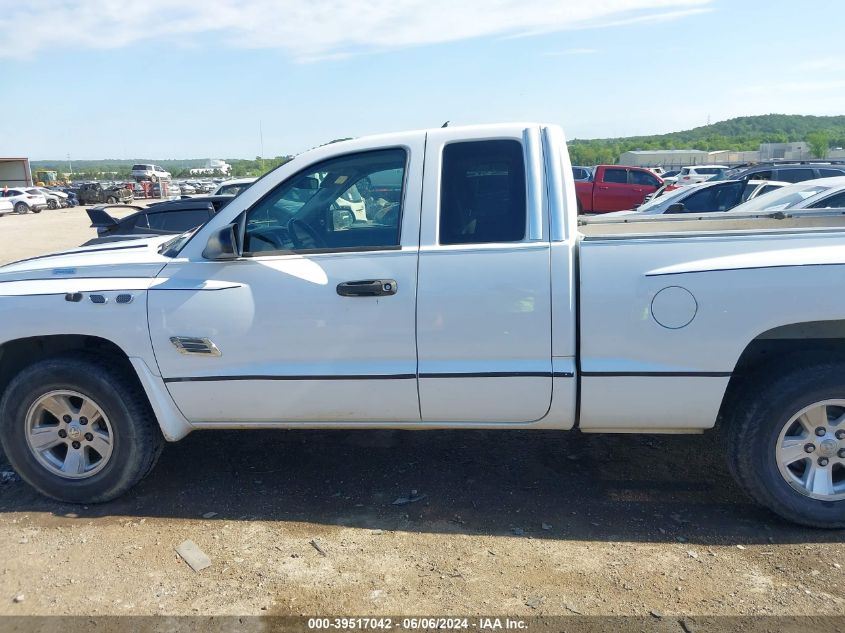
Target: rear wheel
column 21, row 208
column 77, row 430
column 786, row 443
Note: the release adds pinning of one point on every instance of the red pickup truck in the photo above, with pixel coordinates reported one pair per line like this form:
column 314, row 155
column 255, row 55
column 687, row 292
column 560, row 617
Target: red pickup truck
column 615, row 188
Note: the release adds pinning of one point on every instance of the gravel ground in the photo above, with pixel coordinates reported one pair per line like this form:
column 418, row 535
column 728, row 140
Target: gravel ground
column 306, row 522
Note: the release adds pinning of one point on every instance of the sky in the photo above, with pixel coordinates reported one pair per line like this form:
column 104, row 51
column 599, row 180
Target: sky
column 171, row 79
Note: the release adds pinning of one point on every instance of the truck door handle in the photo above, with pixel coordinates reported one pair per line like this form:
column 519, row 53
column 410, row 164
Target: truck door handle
column 367, row 288
column 603, row 187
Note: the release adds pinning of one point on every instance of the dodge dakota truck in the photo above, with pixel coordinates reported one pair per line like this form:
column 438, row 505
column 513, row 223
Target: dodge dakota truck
column 615, row 188
column 467, row 298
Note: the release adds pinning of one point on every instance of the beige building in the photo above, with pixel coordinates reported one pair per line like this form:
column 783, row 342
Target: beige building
column 665, row 158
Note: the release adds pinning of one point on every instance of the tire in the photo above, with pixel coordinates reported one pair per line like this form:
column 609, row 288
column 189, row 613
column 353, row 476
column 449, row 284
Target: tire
column 111, row 200
column 36, row 210
column 125, row 417
column 21, row 208
column 51, row 204
column 153, row 178
column 760, row 421
column 580, row 208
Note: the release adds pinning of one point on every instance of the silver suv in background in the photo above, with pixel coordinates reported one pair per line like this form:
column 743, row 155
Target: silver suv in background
column 149, row 172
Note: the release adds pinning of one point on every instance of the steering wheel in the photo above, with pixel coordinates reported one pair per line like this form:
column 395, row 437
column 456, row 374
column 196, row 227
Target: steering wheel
column 296, row 224
column 268, row 238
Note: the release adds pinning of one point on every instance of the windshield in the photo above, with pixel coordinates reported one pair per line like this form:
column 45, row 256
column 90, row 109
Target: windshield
column 666, row 197
column 783, row 198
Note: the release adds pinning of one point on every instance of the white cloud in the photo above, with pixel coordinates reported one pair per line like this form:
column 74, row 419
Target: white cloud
column 306, row 29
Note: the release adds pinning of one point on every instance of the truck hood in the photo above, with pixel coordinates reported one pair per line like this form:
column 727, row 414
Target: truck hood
column 133, row 259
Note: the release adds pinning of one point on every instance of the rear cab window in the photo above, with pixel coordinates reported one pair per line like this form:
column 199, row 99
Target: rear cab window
column 483, row 193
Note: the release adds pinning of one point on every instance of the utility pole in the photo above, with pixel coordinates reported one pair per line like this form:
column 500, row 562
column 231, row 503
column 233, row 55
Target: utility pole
column 69, row 167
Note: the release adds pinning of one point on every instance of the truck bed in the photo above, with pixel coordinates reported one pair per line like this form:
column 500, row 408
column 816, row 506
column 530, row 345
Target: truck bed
column 633, row 227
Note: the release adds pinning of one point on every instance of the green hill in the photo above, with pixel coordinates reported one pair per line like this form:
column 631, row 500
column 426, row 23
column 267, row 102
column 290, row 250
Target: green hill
column 742, row 133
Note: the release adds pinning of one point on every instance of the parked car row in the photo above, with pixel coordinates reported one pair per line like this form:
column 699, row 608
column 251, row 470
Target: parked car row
column 745, row 197
column 616, row 188
column 720, row 195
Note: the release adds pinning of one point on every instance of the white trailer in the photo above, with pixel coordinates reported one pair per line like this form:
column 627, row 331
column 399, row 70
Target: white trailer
column 15, row 172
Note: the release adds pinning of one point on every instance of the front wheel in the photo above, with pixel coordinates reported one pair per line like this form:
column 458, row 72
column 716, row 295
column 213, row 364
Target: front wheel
column 78, row 431
column 52, row 204
column 21, row 208
column 111, row 200
column 786, row 443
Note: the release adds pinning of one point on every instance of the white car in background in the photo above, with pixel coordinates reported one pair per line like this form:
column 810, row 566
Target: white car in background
column 233, row 187
column 699, row 173
column 55, row 199
column 754, row 188
column 821, row 193
column 23, row 200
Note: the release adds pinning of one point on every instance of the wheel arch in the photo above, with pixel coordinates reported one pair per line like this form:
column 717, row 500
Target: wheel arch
column 783, row 346
column 17, row 354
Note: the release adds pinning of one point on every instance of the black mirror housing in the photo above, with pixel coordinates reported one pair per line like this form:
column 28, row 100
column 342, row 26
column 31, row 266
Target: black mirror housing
column 223, row 244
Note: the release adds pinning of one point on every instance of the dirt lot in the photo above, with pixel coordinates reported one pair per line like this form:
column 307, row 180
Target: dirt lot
column 514, row 523
column 51, row 230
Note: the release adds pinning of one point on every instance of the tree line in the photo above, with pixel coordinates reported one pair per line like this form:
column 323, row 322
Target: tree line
column 740, row 134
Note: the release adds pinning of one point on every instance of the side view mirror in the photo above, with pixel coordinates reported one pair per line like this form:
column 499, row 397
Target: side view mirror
column 342, row 219
column 223, row 244
column 677, row 207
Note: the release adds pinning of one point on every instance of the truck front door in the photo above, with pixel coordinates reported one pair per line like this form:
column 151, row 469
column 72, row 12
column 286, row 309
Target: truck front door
column 315, row 322
column 483, row 299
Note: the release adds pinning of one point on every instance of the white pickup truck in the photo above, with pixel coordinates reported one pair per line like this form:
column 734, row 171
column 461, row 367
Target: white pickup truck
column 464, row 297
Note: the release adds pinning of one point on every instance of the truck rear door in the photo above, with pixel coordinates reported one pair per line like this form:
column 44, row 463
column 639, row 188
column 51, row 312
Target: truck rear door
column 611, row 191
column 483, row 300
